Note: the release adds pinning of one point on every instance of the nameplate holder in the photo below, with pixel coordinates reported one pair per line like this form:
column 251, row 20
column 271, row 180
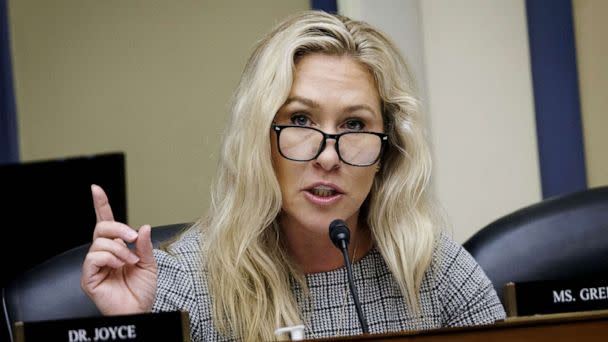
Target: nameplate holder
column 555, row 296
column 162, row 326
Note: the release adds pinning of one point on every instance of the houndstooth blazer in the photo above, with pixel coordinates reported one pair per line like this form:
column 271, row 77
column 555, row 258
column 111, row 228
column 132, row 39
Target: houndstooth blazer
column 455, row 292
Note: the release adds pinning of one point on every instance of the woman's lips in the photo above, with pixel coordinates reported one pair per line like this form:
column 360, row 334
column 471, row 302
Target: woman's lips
column 323, row 193
column 322, row 200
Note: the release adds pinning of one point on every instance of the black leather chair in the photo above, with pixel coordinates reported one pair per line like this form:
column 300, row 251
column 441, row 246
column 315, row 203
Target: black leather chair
column 51, row 290
column 559, row 238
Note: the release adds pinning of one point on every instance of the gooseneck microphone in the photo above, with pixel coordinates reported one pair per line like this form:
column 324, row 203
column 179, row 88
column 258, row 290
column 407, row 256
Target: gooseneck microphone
column 340, row 236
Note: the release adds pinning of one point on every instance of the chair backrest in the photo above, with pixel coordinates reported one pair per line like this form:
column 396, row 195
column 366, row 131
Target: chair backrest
column 560, row 238
column 52, row 290
column 68, row 182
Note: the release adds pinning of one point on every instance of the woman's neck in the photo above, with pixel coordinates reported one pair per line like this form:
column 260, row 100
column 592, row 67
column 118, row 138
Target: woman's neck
column 315, row 253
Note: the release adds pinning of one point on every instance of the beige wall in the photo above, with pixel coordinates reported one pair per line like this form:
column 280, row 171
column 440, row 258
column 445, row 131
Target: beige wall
column 481, row 109
column 151, row 78
column 591, row 30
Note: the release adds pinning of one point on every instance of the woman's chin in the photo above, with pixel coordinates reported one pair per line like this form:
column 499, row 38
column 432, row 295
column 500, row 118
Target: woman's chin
column 317, row 224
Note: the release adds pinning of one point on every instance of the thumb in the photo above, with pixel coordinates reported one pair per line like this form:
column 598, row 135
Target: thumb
column 143, row 245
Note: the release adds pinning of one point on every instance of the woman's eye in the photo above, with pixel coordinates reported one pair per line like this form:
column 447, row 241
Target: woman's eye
column 354, row 125
column 300, row 120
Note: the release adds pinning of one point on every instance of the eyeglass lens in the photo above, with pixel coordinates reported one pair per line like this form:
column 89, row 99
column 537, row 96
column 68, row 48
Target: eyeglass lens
column 302, row 143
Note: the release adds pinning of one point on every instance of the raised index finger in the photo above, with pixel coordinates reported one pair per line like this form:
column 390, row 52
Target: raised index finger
column 103, row 211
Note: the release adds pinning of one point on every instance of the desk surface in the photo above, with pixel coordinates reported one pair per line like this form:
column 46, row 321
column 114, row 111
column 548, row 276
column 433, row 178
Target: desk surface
column 582, row 326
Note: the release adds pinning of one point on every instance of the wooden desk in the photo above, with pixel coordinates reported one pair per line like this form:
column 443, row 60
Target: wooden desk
column 581, row 326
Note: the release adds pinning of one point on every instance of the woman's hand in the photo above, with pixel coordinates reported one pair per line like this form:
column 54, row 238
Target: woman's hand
column 117, row 279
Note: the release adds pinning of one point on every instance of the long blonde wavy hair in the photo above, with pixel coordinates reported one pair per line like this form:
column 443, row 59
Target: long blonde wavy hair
column 249, row 271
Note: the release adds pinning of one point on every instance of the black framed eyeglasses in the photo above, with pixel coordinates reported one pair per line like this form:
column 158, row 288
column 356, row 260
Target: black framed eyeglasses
column 300, row 143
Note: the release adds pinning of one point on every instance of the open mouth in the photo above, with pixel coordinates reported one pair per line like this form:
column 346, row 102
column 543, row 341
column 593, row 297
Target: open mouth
column 323, row 191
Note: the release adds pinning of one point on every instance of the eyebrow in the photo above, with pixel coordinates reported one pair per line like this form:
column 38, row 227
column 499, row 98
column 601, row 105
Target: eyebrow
column 314, row 104
column 360, row 107
column 303, row 100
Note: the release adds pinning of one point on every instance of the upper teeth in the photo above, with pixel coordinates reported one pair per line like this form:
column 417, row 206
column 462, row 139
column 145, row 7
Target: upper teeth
column 323, row 191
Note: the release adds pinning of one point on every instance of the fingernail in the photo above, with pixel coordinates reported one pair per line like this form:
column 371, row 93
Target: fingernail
column 134, row 259
column 132, row 234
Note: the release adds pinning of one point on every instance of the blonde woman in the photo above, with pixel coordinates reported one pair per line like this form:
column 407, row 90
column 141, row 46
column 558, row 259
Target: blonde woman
column 324, row 125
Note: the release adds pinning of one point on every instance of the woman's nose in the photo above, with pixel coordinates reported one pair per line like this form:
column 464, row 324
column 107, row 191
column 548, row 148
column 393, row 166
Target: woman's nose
column 329, row 158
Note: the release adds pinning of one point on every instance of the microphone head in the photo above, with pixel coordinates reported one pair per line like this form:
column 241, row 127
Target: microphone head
column 339, row 233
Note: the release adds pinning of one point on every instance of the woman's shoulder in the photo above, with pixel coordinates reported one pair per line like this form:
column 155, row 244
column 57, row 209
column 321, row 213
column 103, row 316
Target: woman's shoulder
column 187, row 242
column 452, row 262
column 467, row 294
column 449, row 253
column 184, row 252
